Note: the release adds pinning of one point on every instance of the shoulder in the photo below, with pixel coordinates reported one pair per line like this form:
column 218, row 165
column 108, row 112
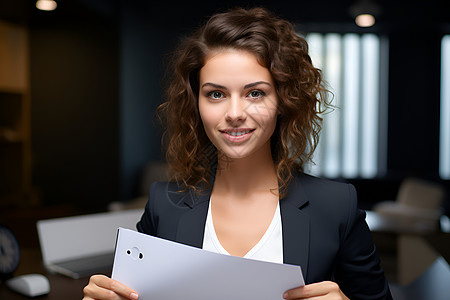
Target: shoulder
column 323, row 198
column 321, row 188
column 166, row 201
column 165, row 186
column 167, row 192
column 170, row 196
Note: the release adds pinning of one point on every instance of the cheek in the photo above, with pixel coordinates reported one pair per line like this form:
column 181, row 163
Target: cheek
column 264, row 115
column 208, row 116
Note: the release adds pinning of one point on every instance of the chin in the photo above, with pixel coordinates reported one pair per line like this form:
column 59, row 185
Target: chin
column 235, row 153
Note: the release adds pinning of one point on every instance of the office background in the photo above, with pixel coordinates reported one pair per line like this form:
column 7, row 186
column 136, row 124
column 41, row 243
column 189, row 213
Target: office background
column 93, row 74
column 96, row 70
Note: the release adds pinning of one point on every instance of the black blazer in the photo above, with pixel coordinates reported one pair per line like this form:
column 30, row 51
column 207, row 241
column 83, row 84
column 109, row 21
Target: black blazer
column 323, row 231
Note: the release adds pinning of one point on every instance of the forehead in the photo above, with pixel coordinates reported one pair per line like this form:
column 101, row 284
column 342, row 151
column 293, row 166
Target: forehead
column 233, row 66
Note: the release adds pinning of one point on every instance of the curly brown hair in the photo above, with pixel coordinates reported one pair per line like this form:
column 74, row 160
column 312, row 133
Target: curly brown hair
column 299, row 85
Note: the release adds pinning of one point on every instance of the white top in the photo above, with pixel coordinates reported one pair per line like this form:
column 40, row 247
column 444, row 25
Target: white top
column 269, row 248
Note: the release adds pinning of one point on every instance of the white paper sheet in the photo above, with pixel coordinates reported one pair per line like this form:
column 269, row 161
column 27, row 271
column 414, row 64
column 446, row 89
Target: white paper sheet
column 163, row 270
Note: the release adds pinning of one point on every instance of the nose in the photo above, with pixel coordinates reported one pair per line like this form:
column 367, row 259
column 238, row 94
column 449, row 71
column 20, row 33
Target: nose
column 235, row 111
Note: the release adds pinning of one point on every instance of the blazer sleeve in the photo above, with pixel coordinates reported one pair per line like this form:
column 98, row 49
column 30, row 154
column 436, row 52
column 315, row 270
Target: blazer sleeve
column 359, row 273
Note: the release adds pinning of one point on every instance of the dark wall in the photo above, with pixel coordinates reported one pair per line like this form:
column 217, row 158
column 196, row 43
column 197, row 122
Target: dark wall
column 142, row 48
column 74, row 62
column 414, row 101
column 415, row 34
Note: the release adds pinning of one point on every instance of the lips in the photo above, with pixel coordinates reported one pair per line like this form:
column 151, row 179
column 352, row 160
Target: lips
column 237, row 134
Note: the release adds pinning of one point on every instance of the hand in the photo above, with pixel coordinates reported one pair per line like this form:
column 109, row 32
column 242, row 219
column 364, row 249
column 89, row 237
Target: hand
column 321, row 290
column 103, row 287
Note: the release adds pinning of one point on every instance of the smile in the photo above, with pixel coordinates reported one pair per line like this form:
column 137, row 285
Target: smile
column 238, row 134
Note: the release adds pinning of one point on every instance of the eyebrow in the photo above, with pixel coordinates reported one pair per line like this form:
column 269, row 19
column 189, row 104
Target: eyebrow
column 218, row 86
column 256, row 83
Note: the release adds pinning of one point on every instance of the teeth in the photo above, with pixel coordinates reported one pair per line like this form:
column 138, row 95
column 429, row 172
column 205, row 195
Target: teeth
column 238, row 133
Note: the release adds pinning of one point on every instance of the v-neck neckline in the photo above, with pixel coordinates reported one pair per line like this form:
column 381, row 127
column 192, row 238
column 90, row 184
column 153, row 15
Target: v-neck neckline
column 218, row 246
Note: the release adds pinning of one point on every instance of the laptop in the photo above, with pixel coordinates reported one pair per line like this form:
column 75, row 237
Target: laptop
column 80, row 246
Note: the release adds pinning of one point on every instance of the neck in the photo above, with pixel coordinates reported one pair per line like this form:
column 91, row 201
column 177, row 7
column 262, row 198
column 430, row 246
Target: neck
column 244, row 176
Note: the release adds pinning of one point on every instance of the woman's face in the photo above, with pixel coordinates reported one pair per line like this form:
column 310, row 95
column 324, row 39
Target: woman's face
column 238, row 103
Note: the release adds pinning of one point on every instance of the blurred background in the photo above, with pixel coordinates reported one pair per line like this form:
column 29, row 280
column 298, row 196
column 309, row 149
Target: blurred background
column 79, row 86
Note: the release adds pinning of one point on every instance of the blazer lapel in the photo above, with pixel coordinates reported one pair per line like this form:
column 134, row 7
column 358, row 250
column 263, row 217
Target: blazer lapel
column 295, row 223
column 296, row 227
column 191, row 226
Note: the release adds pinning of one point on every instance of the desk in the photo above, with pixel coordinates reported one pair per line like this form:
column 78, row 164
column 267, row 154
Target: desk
column 386, row 223
column 61, row 287
column 419, row 243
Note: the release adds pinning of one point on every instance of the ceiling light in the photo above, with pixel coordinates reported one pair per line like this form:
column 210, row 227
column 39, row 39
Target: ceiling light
column 364, row 12
column 47, row 5
column 365, row 20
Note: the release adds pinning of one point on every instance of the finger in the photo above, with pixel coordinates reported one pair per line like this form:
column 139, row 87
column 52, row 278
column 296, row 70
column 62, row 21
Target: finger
column 103, row 287
column 98, row 293
column 95, row 292
column 296, row 293
column 123, row 290
column 312, row 290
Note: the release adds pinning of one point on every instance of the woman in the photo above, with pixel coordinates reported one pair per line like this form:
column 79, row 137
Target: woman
column 242, row 119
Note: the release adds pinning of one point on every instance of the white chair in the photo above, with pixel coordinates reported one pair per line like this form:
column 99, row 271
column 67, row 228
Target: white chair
column 418, row 200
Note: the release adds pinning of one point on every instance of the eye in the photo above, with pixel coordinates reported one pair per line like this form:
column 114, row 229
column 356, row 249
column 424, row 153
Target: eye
column 215, row 95
column 256, row 94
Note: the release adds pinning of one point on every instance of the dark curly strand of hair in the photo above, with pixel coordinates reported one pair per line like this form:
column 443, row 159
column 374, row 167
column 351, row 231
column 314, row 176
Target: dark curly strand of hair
column 300, row 89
